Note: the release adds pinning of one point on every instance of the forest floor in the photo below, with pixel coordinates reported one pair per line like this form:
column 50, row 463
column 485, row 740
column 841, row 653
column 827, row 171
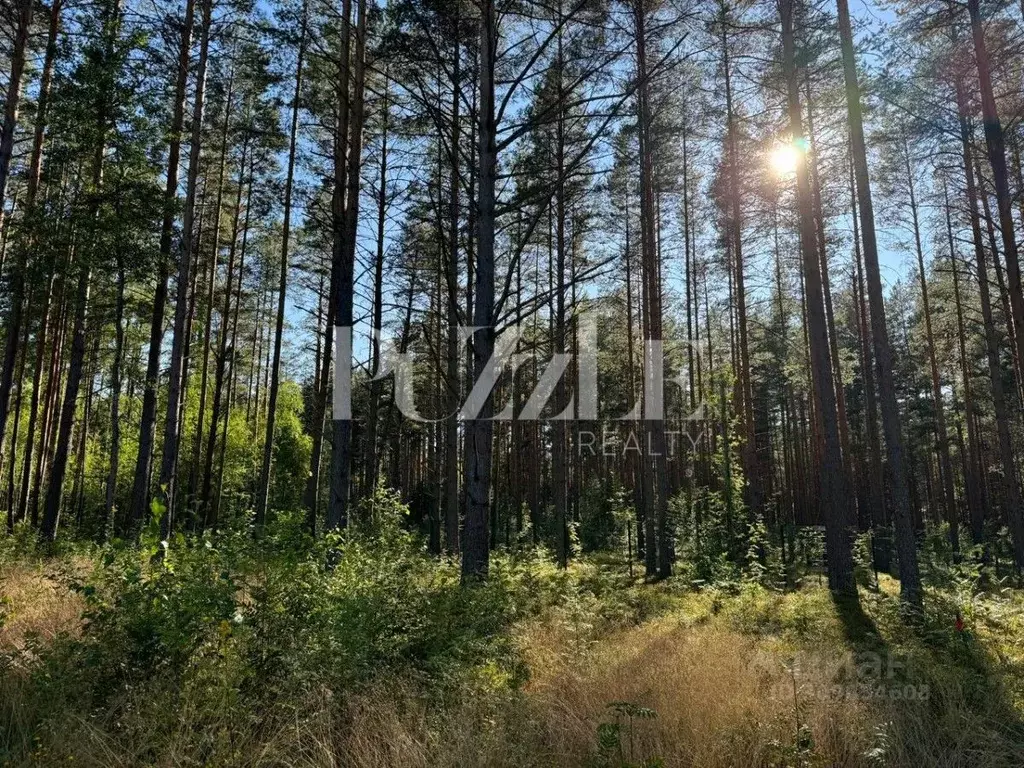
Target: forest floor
column 608, row 673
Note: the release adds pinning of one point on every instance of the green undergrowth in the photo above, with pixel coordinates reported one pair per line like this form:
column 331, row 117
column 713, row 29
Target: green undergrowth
column 201, row 650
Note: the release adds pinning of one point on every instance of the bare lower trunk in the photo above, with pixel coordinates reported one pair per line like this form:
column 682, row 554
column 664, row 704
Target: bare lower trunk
column 657, row 554
column 905, row 543
column 745, row 406
column 172, row 422
column 370, row 455
column 479, row 430
column 451, row 430
column 263, row 485
column 942, row 436
column 1011, row 487
column 17, row 287
column 55, row 491
column 971, row 462
column 996, row 145
column 208, row 502
column 345, row 253
column 115, row 406
column 147, row 423
column 833, row 478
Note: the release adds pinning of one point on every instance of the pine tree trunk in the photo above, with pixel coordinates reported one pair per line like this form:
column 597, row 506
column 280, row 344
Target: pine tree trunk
column 451, row 434
column 658, row 561
column 345, row 253
column 12, row 501
column 147, row 424
column 995, row 142
column 997, row 267
column 17, row 287
column 53, row 381
column 312, row 495
column 371, row 457
column 826, row 290
column 104, row 109
column 1011, row 489
column 115, row 404
column 172, row 421
column 971, row 466
column 77, row 499
column 942, row 436
column 910, row 577
column 232, row 352
column 833, row 477
column 202, row 510
column 479, row 430
column 878, row 518
column 207, row 501
column 263, row 485
column 745, row 406
column 23, row 13
column 55, row 491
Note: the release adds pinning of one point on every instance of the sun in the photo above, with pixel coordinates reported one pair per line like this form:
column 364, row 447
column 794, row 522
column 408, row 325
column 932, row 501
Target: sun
column 785, row 159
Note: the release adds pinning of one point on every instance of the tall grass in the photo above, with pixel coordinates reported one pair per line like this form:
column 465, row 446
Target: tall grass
column 234, row 654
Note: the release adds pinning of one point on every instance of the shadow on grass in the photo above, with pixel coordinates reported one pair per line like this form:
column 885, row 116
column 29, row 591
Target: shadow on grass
column 948, row 696
column 859, row 628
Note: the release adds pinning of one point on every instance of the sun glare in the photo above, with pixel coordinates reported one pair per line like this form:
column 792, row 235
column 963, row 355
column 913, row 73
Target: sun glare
column 785, row 159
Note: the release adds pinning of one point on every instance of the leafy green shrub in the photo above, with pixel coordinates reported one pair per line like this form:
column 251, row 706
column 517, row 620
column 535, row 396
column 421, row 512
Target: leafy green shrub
column 616, row 740
column 228, row 626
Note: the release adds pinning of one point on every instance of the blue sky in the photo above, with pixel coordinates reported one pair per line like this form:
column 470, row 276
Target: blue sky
column 868, row 17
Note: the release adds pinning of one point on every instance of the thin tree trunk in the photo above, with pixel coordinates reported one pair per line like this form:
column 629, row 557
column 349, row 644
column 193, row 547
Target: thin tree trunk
column 345, row 252
column 1011, row 488
column 207, row 501
column 233, row 350
column 995, row 142
column 55, row 492
column 115, row 403
column 49, row 404
column 371, row 458
column 147, row 423
column 78, row 488
column 17, row 287
column 23, row 27
column 910, row 577
column 202, row 512
column 745, row 407
column 833, row 477
column 263, row 486
column 559, row 448
column 479, row 430
column 172, row 422
column 12, row 502
column 942, row 436
column 971, row 478
column 451, row 432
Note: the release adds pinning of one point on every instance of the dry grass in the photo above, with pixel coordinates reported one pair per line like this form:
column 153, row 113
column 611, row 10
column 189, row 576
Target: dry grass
column 35, row 603
column 720, row 698
column 725, row 693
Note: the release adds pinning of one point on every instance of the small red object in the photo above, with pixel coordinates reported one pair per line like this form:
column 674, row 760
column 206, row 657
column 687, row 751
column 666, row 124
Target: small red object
column 959, row 622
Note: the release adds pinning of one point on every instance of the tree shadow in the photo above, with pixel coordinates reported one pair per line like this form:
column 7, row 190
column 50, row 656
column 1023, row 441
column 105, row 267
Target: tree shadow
column 947, row 675
column 859, row 629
